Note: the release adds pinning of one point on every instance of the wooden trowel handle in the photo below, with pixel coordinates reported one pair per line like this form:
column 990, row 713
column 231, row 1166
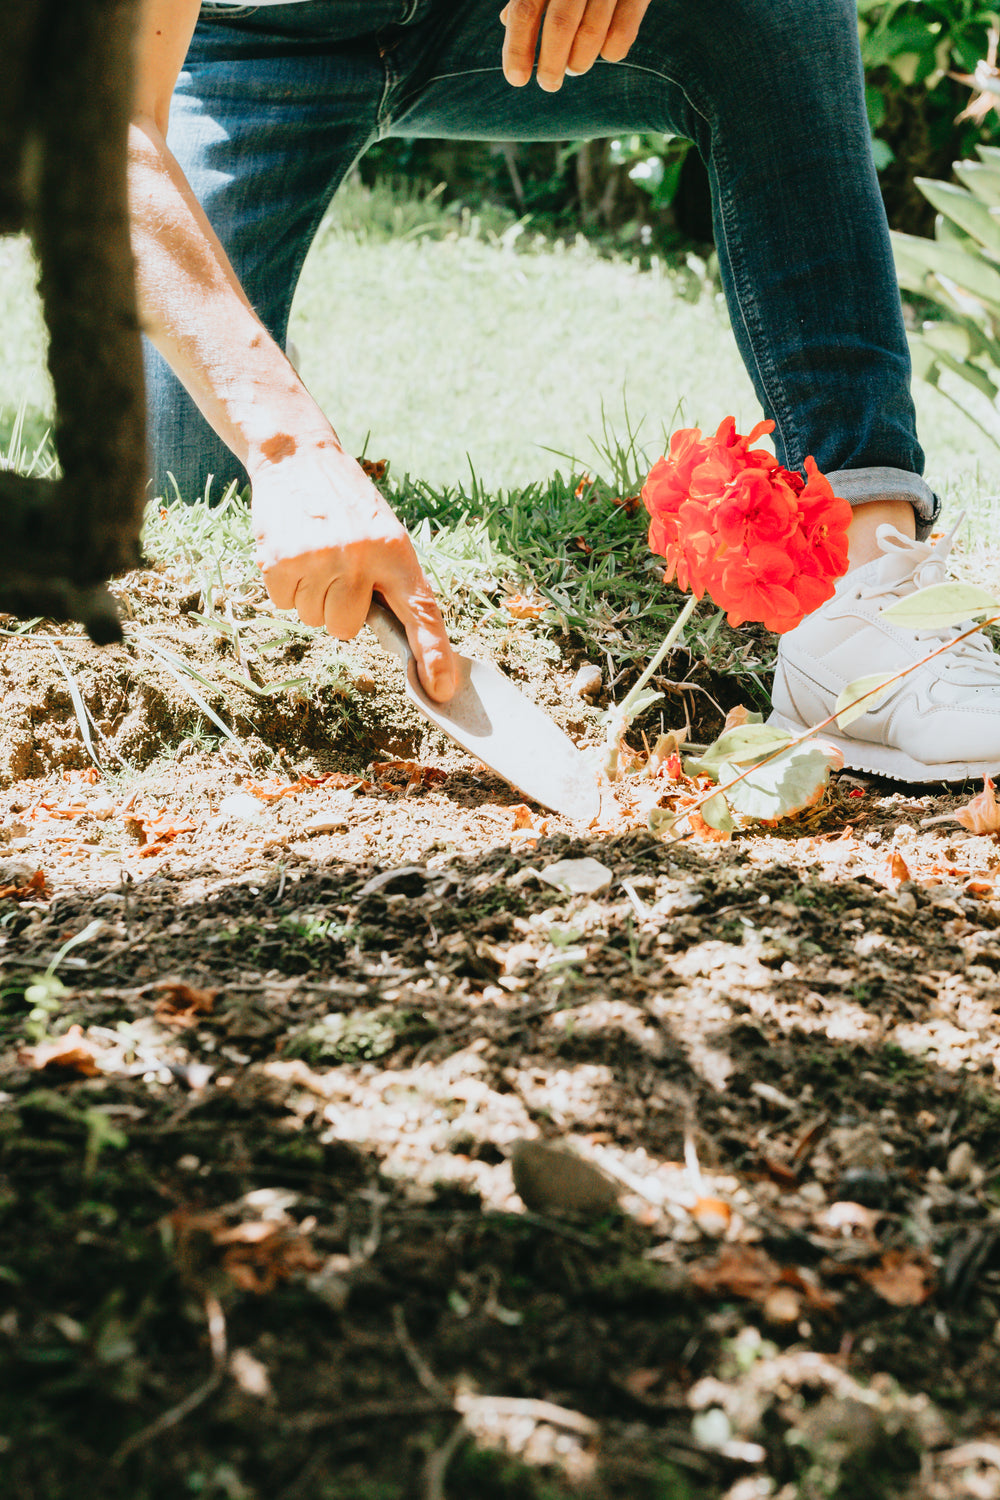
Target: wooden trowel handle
column 387, row 630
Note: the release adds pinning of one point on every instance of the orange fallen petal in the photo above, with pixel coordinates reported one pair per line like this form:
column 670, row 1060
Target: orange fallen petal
column 703, row 830
column 71, row 1051
column 712, row 1216
column 982, row 814
column 524, row 606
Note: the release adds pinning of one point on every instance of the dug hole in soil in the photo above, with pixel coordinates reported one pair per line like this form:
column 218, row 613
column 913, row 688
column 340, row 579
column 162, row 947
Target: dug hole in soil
column 281, row 1008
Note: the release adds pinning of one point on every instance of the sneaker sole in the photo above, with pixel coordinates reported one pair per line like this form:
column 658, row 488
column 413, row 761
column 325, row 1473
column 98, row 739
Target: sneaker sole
column 895, row 765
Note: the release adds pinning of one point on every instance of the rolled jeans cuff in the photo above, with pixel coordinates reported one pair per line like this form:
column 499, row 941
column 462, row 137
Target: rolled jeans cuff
column 860, row 486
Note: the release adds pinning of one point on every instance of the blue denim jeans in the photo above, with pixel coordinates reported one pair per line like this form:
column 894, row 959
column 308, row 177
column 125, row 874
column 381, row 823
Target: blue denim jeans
column 276, row 103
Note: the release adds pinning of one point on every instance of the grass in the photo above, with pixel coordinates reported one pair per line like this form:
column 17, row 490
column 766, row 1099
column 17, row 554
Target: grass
column 484, row 360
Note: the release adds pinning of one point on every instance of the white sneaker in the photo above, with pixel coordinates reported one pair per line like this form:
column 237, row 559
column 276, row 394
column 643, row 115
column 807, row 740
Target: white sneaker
column 941, row 723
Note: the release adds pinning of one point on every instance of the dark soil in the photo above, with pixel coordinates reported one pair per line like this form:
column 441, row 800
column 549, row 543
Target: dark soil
column 259, row 1234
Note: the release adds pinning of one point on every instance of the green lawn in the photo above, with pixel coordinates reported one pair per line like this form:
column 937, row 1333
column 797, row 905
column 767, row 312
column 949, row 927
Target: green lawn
column 450, row 347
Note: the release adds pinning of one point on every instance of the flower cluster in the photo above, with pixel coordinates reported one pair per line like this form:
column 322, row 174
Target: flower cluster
column 763, row 542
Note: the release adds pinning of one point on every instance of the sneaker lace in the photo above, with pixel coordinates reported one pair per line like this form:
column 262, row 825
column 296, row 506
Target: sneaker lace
column 907, row 566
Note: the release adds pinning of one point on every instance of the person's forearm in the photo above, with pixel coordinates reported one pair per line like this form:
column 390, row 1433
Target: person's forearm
column 196, row 313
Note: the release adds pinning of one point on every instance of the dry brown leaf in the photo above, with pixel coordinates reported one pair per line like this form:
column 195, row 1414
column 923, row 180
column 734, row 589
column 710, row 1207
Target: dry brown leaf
column 742, row 1270
column 406, row 775
column 48, row 811
column 71, row 1051
column 982, row 814
column 524, row 606
column 736, row 717
column 274, row 790
column 180, row 1005
column 896, row 871
column 257, row 1262
column 338, row 779
column 256, row 1254
column 36, row 886
column 749, row 1272
column 902, row 1277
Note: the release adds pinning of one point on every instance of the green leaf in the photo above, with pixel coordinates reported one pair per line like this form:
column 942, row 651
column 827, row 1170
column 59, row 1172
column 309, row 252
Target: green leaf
column 848, row 708
column 981, row 178
column 786, row 784
column 959, row 205
column 717, row 815
column 741, row 746
column 972, row 373
column 941, row 604
column 917, row 258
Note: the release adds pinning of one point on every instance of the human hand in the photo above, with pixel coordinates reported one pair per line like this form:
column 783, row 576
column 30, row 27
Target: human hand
column 326, row 539
column 574, row 33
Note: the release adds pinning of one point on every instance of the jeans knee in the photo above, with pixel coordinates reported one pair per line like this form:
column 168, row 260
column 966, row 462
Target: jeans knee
column 778, row 45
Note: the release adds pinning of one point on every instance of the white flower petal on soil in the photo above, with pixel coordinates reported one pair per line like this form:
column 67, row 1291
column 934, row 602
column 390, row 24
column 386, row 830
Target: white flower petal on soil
column 578, row 877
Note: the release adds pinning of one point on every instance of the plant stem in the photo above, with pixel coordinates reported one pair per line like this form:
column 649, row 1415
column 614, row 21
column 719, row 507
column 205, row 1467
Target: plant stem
column 623, row 711
column 620, row 717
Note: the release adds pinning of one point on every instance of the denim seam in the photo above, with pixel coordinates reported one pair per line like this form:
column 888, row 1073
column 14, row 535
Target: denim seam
column 400, row 104
column 383, row 116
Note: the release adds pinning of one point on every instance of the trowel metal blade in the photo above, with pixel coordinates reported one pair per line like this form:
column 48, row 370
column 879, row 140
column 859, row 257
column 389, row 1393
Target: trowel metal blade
column 495, row 721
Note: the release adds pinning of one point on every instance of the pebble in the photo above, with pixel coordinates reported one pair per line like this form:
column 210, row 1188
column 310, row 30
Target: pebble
column 961, row 1160
column 552, row 1181
column 588, row 682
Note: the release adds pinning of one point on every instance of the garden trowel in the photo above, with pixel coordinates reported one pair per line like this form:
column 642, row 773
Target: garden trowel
column 493, row 719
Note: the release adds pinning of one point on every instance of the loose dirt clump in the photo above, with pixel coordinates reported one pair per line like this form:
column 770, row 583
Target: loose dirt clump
column 281, row 1005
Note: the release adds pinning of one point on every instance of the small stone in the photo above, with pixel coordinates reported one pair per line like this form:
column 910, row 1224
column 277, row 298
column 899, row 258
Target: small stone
column 588, row 682
column 551, row 1181
column 961, row 1162
column 578, row 877
column 243, row 807
column 16, row 872
column 905, row 903
column 782, row 1306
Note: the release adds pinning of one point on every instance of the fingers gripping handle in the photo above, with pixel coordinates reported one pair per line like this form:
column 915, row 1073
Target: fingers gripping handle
column 388, row 631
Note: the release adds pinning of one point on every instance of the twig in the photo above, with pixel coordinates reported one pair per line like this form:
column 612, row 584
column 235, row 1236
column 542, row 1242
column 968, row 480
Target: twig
column 437, row 1463
column 216, row 1320
column 414, row 1358
column 527, row 1406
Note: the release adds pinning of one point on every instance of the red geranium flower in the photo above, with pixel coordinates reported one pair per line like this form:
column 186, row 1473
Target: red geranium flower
column 765, row 543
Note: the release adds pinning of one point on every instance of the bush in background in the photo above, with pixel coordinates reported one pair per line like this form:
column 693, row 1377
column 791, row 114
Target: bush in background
column 910, row 48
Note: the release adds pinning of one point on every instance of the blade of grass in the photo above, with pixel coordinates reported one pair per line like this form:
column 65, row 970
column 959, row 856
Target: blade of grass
column 79, row 707
column 180, row 670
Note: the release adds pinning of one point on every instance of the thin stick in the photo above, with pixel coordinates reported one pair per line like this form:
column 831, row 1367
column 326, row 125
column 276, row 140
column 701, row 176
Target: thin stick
column 216, row 1320
column 437, row 1463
